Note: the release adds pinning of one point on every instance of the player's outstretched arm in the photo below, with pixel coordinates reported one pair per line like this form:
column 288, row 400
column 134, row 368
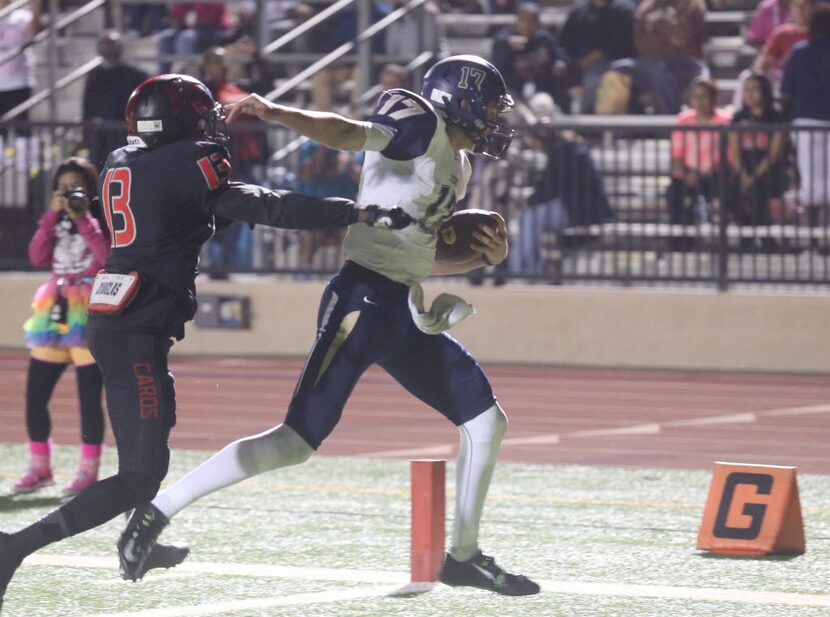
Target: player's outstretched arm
column 330, row 129
column 257, row 205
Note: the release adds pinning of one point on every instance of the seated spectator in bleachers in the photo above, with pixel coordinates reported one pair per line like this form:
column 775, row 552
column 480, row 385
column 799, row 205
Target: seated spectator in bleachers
column 777, row 49
column 391, row 76
column 805, row 94
column 770, row 60
column 767, row 17
column 531, row 60
column 416, row 32
column 758, row 176
column 325, row 173
column 669, row 37
column 596, row 32
column 568, row 189
column 106, row 91
column 17, row 75
column 196, row 27
column 695, row 156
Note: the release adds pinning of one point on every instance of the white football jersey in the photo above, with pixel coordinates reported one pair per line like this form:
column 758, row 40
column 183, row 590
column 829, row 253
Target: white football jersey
column 420, row 172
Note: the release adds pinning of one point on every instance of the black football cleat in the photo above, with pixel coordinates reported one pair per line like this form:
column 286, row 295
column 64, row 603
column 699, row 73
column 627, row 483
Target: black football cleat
column 481, row 571
column 138, row 541
column 9, row 561
column 166, row 556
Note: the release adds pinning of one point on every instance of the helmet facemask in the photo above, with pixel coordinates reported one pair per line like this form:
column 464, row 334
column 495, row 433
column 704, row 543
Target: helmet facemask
column 489, row 136
column 212, row 125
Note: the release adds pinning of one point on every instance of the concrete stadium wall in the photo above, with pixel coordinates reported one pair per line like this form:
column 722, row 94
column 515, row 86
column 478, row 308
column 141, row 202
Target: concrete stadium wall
column 576, row 326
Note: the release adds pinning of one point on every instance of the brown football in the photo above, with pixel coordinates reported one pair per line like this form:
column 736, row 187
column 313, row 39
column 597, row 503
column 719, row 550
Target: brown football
column 456, row 233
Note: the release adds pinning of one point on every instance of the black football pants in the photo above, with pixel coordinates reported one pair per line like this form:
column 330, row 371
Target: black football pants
column 142, row 409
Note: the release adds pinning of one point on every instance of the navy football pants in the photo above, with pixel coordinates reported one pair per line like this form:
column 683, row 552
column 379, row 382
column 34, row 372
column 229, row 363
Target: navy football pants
column 364, row 319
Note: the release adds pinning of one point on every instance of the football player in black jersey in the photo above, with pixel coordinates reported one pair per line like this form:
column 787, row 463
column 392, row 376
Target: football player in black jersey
column 163, row 195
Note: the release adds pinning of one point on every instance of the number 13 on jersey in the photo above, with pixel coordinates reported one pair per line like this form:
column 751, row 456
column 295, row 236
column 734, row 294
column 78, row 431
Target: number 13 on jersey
column 116, row 204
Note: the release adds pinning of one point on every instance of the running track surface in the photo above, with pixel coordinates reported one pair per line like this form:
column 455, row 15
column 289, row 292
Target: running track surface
column 557, row 415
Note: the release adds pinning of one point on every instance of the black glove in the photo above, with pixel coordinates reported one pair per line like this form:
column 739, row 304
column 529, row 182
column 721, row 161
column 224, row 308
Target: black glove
column 387, row 218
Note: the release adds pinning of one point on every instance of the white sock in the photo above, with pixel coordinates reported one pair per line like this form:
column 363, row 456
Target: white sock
column 275, row 448
column 480, row 440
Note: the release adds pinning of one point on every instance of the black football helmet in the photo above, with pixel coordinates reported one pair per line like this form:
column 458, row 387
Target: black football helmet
column 172, row 107
column 463, row 87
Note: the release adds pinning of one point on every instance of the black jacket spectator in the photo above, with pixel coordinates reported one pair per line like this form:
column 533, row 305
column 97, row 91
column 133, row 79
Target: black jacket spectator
column 596, row 33
column 572, row 176
column 527, row 54
column 106, row 92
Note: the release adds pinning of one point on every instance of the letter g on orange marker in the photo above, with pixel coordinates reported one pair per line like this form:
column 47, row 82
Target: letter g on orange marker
column 752, row 510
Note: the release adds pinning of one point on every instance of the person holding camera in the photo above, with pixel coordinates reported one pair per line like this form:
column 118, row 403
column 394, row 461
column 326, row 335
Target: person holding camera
column 72, row 237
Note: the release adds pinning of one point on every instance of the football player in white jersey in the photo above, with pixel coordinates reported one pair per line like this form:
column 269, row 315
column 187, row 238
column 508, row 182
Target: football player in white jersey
column 372, row 311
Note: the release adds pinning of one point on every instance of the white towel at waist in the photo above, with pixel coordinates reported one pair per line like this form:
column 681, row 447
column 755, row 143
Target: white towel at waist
column 444, row 312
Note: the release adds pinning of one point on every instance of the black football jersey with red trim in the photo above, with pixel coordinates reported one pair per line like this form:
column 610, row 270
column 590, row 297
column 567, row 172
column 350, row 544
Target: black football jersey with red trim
column 161, row 206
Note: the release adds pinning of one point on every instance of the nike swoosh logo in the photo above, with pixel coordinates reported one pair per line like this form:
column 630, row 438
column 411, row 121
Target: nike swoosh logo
column 487, row 574
column 129, row 551
column 368, row 301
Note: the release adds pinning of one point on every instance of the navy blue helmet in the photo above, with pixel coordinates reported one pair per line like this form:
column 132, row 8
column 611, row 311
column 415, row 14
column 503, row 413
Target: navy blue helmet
column 171, row 107
column 463, row 87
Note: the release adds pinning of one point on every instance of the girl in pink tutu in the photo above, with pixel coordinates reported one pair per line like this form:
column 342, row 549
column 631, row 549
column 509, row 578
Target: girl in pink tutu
column 72, row 236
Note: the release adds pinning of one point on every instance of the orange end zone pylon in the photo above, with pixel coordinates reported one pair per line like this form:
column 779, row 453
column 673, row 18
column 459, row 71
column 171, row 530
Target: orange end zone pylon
column 428, row 520
column 752, row 510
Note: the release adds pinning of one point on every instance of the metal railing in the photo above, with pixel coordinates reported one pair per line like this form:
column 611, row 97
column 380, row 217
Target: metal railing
column 584, row 204
column 48, row 35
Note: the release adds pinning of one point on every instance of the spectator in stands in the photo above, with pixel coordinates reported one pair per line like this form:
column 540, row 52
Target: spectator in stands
column 17, row 75
column 231, row 246
column 196, row 27
column 416, row 32
column 767, row 17
column 695, row 156
column 668, row 36
column 596, row 32
column 567, row 187
column 770, row 60
column 106, row 91
column 805, row 93
column 391, row 76
column 325, row 173
column 759, row 174
column 777, row 49
column 531, row 60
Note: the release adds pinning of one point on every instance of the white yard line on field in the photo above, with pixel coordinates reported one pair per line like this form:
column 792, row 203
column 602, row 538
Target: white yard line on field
column 383, row 582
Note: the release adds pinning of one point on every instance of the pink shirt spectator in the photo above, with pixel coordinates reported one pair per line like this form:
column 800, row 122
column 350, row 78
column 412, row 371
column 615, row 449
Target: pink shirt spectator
column 781, row 43
column 699, row 150
column 71, row 254
column 768, row 16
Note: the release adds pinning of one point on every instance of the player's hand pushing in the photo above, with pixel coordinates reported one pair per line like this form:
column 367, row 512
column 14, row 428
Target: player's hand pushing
column 491, row 243
column 383, row 217
column 251, row 105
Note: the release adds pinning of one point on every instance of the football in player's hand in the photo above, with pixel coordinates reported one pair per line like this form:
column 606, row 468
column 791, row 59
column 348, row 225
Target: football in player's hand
column 456, row 233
